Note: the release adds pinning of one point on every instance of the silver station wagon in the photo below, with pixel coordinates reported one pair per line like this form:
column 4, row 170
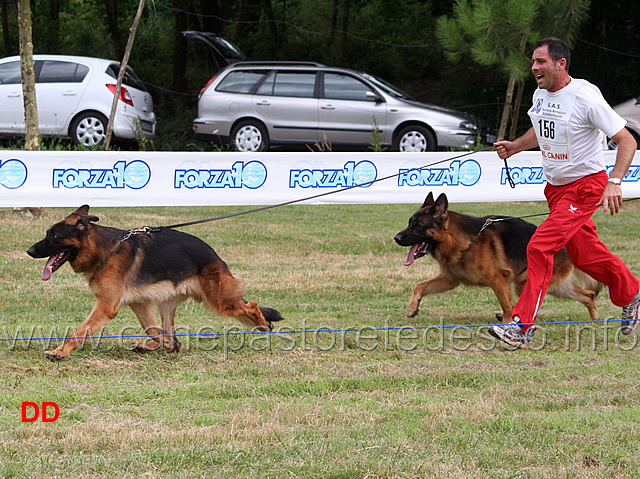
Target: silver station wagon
column 256, row 105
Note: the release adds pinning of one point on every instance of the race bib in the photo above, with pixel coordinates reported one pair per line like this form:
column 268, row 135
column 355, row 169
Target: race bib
column 550, row 118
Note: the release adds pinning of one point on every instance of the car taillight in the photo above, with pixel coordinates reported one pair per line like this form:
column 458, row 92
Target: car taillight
column 124, row 94
column 207, row 84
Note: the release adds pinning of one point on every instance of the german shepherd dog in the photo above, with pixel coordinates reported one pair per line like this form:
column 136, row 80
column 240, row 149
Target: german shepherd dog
column 142, row 269
column 495, row 256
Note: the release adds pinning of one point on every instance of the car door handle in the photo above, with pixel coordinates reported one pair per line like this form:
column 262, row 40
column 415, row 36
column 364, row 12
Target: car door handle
column 264, row 103
column 328, row 106
column 14, row 94
column 69, row 93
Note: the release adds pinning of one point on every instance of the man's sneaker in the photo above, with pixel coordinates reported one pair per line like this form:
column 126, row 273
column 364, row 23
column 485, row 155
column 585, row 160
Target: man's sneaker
column 511, row 333
column 631, row 315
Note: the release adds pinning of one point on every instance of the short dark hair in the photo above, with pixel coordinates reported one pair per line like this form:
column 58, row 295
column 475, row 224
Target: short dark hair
column 557, row 49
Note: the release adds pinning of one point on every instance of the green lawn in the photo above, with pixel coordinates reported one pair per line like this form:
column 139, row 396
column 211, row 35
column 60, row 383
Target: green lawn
column 349, row 387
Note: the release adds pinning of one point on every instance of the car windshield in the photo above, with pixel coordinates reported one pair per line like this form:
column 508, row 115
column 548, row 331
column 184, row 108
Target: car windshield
column 388, row 87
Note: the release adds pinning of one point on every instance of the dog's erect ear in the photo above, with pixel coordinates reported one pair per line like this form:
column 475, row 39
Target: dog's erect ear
column 440, row 207
column 83, row 223
column 428, row 201
column 85, row 218
column 82, row 211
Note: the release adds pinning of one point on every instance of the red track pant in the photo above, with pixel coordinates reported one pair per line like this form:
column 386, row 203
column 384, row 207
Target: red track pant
column 570, row 225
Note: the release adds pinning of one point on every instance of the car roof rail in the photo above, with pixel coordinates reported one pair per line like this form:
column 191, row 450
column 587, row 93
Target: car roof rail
column 277, row 62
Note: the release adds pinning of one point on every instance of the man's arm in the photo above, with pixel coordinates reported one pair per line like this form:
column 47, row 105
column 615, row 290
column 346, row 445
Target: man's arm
column 612, row 197
column 505, row 148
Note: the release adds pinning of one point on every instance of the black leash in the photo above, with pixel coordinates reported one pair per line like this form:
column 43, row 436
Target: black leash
column 153, row 229
column 327, row 193
column 508, row 218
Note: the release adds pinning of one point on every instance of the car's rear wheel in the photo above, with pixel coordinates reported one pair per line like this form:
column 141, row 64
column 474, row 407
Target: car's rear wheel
column 414, row 138
column 88, row 129
column 250, row 135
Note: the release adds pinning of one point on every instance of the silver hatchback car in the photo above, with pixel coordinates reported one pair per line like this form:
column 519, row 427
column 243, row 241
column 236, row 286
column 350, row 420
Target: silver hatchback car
column 256, row 105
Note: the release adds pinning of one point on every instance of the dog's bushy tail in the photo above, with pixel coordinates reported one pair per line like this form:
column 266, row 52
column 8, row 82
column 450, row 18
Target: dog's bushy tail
column 271, row 314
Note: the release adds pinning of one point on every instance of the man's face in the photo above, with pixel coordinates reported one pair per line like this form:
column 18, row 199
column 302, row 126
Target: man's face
column 547, row 73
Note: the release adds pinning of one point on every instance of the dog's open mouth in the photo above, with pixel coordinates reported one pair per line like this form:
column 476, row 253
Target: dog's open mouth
column 54, row 263
column 418, row 250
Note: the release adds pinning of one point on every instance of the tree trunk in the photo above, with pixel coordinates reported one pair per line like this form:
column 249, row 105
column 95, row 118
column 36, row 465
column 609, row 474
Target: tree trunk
column 211, row 15
column 51, row 28
column 507, row 107
column 334, row 23
column 273, row 29
column 179, row 46
column 516, row 111
column 123, row 67
column 248, row 12
column 6, row 38
column 346, row 6
column 112, row 11
column 32, row 132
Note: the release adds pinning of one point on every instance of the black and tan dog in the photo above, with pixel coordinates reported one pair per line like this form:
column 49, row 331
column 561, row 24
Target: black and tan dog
column 494, row 257
column 143, row 269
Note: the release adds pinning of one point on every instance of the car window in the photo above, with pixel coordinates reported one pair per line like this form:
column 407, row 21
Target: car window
column 53, row 71
column 9, row 73
column 130, row 78
column 295, row 84
column 388, row 87
column 344, row 87
column 266, row 87
column 240, row 81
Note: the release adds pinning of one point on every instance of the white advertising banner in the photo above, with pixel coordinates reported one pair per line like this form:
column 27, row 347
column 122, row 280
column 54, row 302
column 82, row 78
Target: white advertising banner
column 70, row 179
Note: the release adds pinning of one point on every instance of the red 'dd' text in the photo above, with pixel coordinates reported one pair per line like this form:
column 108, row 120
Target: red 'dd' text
column 31, row 412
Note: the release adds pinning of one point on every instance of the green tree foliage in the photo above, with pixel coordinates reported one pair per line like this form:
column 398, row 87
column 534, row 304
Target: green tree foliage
column 501, row 33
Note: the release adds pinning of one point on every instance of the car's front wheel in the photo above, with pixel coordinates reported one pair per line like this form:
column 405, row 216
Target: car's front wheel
column 88, row 129
column 250, row 135
column 414, row 138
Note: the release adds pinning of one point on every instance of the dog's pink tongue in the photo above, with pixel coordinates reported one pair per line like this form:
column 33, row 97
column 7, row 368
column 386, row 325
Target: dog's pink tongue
column 48, row 271
column 412, row 253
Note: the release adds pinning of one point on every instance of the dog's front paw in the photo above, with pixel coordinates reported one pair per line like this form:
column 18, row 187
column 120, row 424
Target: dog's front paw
column 55, row 355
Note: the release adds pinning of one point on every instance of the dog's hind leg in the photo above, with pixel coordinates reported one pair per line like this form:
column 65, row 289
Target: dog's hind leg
column 568, row 289
column 223, row 294
column 439, row 284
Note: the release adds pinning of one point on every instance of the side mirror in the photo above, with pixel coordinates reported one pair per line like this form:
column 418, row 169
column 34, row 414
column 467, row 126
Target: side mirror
column 372, row 96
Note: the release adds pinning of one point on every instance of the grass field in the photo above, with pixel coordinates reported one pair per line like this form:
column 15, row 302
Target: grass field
column 361, row 392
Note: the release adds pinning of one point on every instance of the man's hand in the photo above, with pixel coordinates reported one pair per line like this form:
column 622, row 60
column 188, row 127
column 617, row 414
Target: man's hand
column 611, row 199
column 505, row 148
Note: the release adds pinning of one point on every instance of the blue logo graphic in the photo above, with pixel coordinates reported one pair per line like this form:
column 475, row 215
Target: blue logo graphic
column 251, row 175
column 523, row 175
column 13, row 174
column 360, row 174
column 134, row 175
column 465, row 174
column 537, row 106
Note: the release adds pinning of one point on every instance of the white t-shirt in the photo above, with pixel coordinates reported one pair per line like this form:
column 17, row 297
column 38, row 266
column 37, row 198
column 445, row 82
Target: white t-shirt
column 571, row 125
